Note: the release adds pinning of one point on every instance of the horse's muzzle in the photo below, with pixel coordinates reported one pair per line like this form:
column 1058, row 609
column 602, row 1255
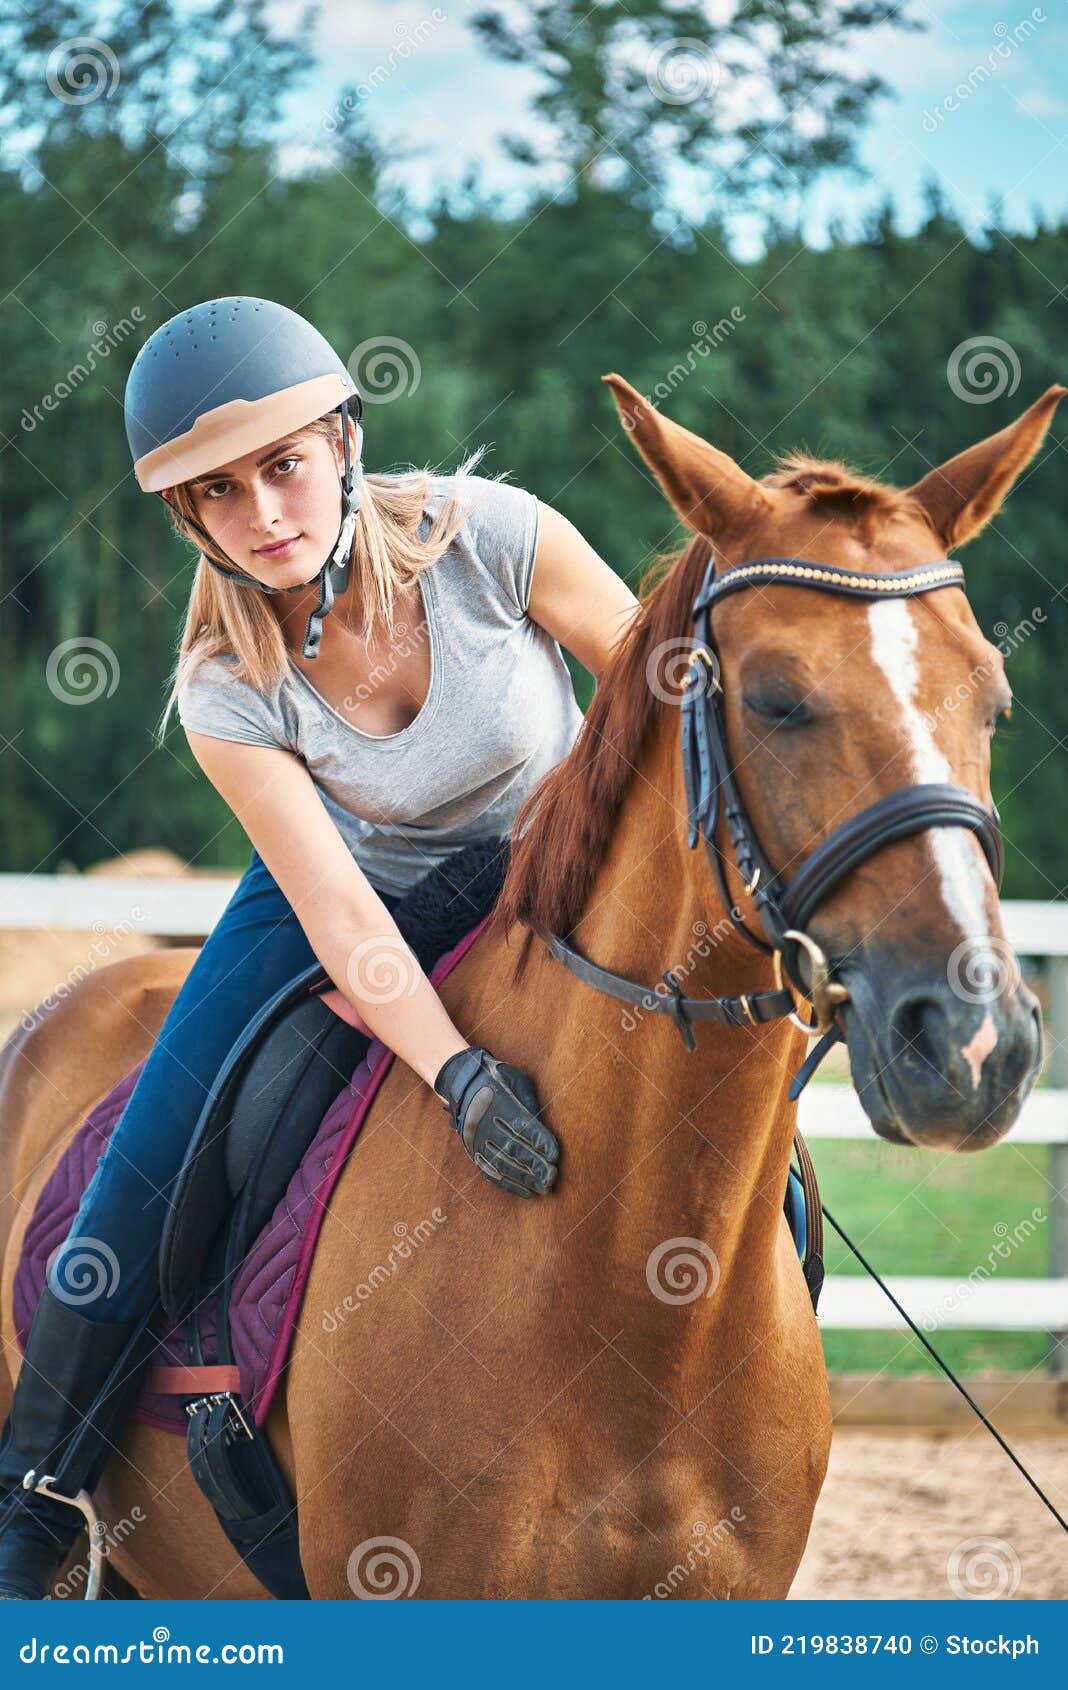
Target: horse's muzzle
column 935, row 1064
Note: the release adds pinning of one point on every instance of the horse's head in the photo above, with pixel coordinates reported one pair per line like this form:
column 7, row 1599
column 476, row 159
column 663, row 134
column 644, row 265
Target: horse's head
column 832, row 703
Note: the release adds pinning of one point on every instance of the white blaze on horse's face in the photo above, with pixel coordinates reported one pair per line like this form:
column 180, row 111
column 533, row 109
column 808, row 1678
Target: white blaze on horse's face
column 961, row 867
column 962, row 871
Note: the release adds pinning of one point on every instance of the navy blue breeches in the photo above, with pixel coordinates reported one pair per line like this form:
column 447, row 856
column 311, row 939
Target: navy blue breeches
column 112, row 1249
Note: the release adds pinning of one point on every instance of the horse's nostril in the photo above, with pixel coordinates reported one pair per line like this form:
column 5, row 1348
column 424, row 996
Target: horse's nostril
column 1036, row 1035
column 916, row 1025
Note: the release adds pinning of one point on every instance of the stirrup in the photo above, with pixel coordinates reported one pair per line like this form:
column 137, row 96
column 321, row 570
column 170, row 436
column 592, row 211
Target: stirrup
column 45, row 1486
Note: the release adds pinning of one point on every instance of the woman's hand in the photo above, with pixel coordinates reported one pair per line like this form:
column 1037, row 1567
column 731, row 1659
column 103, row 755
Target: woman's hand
column 494, row 1108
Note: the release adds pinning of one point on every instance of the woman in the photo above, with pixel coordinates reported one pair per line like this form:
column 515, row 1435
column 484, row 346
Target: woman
column 431, row 607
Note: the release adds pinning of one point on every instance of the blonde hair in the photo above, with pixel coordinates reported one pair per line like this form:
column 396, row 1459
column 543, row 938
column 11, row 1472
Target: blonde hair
column 227, row 618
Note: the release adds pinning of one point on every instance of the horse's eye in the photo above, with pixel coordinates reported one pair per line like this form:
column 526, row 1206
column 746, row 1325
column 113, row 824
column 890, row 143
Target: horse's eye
column 781, row 708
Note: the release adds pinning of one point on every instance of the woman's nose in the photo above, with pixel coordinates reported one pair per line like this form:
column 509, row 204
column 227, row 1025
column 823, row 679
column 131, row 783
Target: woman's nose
column 264, row 506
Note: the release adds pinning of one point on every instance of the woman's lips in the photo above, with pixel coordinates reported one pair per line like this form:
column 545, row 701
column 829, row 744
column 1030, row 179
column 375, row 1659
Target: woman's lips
column 280, row 550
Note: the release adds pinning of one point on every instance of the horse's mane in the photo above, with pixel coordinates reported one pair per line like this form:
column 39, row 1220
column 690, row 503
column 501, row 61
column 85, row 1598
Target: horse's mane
column 564, row 826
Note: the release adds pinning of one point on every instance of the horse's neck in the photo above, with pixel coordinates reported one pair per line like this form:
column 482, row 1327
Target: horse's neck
column 702, row 1139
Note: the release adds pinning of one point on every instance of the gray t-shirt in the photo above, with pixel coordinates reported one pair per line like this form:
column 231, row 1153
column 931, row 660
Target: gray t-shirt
column 499, row 713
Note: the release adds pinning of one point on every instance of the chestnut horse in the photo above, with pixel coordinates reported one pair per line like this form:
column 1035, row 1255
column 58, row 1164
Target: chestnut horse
column 619, row 1390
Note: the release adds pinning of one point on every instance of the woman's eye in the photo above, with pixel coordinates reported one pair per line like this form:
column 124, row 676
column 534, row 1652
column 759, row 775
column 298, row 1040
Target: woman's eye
column 219, row 489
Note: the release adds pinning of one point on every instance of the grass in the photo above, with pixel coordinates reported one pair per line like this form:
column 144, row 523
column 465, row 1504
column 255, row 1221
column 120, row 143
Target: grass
column 918, row 1212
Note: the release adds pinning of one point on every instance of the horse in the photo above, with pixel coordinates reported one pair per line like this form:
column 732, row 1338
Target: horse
column 618, row 1390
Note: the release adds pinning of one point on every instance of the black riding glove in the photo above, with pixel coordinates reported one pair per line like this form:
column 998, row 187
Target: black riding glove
column 494, row 1108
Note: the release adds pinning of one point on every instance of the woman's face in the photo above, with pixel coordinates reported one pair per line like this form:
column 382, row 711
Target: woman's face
column 275, row 512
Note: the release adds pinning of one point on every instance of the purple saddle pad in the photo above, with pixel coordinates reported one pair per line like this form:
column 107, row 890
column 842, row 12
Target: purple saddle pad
column 269, row 1285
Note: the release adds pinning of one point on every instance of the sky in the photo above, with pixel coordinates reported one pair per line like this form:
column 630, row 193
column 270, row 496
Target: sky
column 979, row 102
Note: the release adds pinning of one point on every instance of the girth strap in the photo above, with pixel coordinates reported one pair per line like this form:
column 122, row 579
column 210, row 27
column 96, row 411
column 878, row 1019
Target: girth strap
column 235, row 1467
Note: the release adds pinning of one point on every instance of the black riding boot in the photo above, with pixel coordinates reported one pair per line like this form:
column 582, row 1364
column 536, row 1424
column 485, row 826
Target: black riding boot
column 67, row 1363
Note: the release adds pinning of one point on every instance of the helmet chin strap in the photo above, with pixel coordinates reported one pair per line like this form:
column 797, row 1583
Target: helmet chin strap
column 334, row 575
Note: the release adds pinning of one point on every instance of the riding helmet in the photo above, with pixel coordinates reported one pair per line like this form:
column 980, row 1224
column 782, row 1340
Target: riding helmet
column 225, row 377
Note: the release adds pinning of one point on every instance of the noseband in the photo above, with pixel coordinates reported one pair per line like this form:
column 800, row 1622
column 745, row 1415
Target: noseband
column 784, row 907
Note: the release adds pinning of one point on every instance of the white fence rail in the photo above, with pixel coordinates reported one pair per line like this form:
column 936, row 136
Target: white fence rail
column 188, row 908
column 169, row 909
column 984, row 1300
column 999, row 1305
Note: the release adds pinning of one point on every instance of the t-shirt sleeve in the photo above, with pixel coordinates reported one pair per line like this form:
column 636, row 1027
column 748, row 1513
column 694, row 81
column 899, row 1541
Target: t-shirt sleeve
column 213, row 701
column 504, row 534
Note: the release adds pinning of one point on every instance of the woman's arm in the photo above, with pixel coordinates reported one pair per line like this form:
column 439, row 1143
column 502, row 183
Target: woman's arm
column 574, row 595
column 348, row 926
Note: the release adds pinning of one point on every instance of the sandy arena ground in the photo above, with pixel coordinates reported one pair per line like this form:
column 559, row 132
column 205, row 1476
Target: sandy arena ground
column 900, row 1512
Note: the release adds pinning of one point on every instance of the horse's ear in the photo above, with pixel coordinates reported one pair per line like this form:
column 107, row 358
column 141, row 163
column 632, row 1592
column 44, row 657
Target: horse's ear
column 707, row 488
column 963, row 494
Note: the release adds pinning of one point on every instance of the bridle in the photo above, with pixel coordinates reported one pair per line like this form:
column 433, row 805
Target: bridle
column 783, row 907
